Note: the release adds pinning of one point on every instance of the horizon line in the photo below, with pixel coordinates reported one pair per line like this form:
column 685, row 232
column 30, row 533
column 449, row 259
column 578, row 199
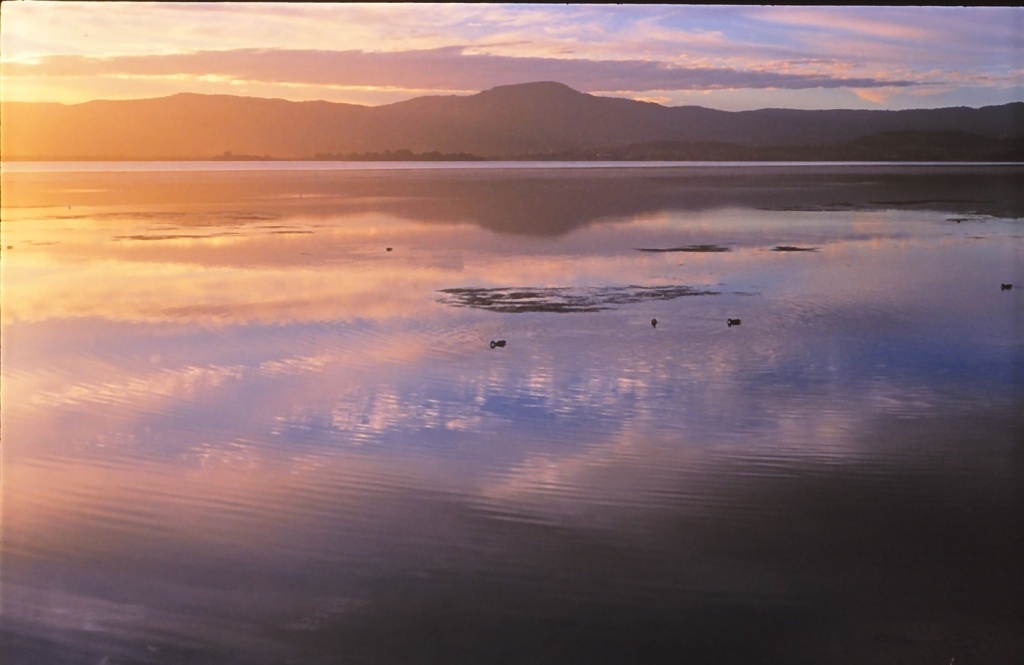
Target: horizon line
column 508, row 85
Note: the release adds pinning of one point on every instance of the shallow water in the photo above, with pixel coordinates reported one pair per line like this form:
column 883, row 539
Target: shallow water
column 238, row 429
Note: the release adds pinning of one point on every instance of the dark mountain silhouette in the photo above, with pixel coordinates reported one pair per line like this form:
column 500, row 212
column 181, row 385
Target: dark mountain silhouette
column 536, row 120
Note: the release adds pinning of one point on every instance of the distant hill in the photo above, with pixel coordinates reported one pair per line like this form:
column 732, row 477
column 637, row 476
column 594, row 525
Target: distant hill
column 534, row 120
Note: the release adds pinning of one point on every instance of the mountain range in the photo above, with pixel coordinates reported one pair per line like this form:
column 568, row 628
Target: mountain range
column 544, row 120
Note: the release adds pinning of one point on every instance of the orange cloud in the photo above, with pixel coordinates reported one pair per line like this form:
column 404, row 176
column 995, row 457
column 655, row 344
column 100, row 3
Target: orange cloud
column 875, row 95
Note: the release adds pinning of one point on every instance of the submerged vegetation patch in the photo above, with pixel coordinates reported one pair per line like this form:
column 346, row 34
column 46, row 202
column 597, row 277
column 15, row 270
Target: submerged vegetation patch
column 688, row 248
column 563, row 300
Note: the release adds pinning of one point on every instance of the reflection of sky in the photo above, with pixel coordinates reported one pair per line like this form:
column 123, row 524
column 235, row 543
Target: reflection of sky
column 259, row 400
column 320, row 337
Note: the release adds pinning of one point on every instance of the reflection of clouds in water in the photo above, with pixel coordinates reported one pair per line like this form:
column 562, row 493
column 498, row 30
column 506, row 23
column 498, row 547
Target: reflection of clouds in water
column 42, row 287
column 254, row 430
column 395, row 396
column 139, row 392
column 163, row 293
column 405, row 389
column 710, row 516
column 341, row 270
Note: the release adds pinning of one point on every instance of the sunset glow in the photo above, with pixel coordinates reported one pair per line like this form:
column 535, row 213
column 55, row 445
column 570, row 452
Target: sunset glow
column 731, row 58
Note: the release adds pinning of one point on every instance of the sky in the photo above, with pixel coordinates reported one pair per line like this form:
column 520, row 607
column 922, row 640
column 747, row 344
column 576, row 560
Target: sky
column 729, row 57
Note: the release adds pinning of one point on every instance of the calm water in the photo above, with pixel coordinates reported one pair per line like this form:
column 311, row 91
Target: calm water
column 237, row 429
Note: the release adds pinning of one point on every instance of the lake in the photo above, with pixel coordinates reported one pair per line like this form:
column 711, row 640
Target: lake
column 254, row 415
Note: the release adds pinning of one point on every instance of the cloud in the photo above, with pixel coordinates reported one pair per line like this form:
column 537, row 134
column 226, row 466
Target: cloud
column 867, row 24
column 875, row 95
column 448, row 69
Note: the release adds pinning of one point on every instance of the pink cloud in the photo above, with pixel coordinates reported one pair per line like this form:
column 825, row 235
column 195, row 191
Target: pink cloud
column 850, row 20
column 447, row 68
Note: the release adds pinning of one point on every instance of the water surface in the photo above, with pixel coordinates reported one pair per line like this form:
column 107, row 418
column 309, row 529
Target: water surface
column 238, row 428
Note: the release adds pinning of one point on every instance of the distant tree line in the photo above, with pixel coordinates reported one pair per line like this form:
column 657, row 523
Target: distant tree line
column 228, row 156
column 888, row 146
column 399, row 156
column 910, row 146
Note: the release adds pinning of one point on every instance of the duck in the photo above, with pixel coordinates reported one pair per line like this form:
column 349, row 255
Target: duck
column 1005, row 287
column 654, row 323
column 499, row 342
column 732, row 322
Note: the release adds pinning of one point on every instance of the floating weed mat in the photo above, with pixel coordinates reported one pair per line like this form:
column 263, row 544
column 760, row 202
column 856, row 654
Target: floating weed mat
column 562, row 300
column 688, row 248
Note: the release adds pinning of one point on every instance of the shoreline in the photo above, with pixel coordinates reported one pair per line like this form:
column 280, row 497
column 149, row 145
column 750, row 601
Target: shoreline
column 229, row 166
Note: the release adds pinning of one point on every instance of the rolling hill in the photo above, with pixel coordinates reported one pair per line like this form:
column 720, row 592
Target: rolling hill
column 533, row 120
